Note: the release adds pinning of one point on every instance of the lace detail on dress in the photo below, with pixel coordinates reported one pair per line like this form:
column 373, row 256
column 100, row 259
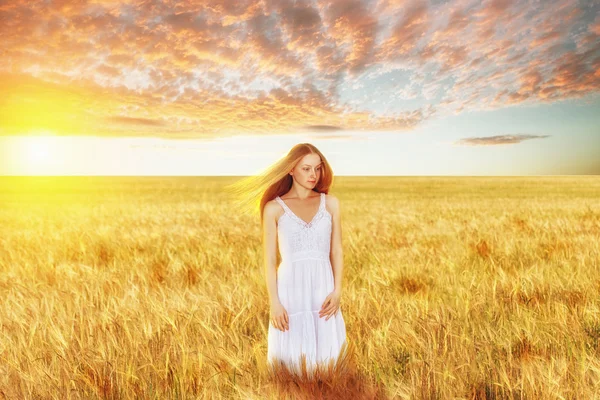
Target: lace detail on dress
column 295, row 235
column 320, row 212
column 308, row 240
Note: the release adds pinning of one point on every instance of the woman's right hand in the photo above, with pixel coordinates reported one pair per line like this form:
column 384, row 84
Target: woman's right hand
column 279, row 317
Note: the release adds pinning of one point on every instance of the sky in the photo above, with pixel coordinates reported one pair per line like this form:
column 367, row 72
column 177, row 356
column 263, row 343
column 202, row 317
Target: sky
column 381, row 87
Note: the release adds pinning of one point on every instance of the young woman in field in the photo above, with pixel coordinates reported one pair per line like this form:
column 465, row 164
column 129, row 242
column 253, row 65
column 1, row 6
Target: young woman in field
column 304, row 292
column 302, row 222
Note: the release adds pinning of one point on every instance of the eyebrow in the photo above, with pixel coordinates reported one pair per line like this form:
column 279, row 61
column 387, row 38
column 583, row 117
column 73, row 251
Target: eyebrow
column 308, row 165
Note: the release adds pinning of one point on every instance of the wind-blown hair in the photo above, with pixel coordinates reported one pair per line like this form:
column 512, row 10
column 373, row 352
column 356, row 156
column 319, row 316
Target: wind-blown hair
column 254, row 192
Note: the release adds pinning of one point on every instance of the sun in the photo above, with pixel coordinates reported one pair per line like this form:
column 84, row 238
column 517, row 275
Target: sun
column 39, row 150
column 39, row 153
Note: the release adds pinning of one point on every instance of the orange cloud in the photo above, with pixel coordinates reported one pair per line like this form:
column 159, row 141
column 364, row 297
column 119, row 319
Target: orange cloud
column 206, row 68
column 88, row 108
column 407, row 33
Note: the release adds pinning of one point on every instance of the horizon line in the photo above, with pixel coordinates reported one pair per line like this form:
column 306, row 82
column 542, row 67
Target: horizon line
column 247, row 176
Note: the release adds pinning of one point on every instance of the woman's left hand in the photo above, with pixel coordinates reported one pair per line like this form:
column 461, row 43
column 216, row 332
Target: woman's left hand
column 330, row 305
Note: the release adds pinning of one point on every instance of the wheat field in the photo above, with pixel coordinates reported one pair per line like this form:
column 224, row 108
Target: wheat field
column 153, row 288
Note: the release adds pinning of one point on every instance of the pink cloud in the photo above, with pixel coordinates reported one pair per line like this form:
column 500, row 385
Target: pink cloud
column 595, row 26
column 497, row 140
column 352, row 28
column 407, row 33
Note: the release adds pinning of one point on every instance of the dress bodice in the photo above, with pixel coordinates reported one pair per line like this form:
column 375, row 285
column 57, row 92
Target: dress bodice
column 300, row 240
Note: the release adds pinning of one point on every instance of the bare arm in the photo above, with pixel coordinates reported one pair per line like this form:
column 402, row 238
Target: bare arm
column 336, row 254
column 270, row 250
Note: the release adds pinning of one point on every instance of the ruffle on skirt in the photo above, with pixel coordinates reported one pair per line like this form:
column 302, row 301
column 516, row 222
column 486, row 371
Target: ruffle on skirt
column 318, row 340
column 303, row 286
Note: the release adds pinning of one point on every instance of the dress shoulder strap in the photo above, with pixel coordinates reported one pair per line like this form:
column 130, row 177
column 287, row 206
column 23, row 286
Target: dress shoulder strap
column 282, row 204
column 322, row 203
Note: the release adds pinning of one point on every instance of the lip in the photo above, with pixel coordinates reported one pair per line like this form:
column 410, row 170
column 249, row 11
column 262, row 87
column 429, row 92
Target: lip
column 311, row 181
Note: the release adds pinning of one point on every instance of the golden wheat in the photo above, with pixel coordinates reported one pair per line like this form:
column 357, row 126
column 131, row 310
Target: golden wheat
column 478, row 288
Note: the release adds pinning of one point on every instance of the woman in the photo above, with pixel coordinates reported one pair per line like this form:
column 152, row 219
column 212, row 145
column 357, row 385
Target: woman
column 303, row 222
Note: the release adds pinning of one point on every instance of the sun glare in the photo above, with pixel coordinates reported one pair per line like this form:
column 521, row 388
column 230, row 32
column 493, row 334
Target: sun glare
column 39, row 153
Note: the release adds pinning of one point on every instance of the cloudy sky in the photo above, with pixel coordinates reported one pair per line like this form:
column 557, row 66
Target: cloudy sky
column 382, row 87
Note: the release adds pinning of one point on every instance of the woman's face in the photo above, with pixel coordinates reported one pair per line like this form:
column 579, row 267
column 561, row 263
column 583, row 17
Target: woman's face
column 308, row 170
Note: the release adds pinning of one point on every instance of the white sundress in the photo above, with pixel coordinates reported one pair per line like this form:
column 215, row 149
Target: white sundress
column 304, row 279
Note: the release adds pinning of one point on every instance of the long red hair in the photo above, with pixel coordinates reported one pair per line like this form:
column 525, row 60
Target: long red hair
column 276, row 180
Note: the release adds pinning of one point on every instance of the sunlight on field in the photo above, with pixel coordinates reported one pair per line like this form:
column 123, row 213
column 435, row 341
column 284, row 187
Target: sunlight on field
column 154, row 288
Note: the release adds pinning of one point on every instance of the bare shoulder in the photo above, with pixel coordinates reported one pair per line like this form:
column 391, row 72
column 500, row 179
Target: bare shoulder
column 271, row 208
column 332, row 202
